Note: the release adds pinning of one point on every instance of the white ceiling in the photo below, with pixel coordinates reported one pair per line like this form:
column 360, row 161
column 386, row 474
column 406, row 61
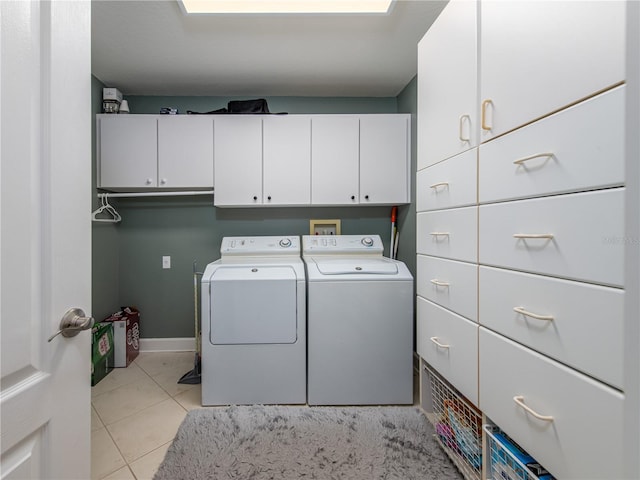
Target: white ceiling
column 150, row 47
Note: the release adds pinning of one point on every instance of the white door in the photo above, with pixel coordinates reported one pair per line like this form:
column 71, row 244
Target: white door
column 538, row 57
column 128, row 151
column 447, row 84
column 185, row 151
column 237, row 160
column 335, row 158
column 286, row 160
column 45, row 237
column 384, row 159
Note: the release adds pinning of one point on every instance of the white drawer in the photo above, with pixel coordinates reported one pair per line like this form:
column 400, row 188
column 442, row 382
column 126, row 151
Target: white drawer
column 452, row 183
column 587, row 229
column 585, row 331
column 584, row 439
column 456, row 356
column 448, row 233
column 449, row 283
column 585, row 143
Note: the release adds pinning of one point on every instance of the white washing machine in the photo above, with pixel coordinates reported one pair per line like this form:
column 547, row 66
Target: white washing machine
column 359, row 323
column 254, row 323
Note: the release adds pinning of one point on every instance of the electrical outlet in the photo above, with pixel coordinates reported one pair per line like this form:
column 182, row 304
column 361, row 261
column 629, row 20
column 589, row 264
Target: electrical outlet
column 166, row 261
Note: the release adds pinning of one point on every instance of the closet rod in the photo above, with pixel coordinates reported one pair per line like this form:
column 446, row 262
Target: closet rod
column 155, row 194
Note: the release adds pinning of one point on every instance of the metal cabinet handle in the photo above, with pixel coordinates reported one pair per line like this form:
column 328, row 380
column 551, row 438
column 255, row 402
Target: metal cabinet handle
column 440, row 283
column 520, row 402
column 484, row 114
column 460, row 123
column 526, row 313
column 439, row 234
column 533, row 235
column 440, row 345
column 72, row 323
column 521, row 161
column 439, row 184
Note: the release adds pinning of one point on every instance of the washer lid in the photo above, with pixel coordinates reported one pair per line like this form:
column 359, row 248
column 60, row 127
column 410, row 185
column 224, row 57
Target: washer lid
column 344, row 266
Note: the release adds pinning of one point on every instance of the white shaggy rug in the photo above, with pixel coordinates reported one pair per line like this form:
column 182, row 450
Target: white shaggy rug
column 323, row 443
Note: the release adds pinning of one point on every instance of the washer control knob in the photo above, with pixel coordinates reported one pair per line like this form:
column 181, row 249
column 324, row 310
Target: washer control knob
column 285, row 242
column 367, row 241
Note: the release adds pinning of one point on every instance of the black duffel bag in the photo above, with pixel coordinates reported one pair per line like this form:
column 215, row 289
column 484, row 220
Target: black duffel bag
column 239, row 106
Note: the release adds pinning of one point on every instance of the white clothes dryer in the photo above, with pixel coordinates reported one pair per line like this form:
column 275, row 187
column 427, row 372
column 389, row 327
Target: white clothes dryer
column 359, row 322
column 254, row 323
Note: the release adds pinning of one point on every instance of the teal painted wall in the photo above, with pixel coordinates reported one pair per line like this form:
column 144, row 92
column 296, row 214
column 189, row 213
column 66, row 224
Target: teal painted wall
column 105, row 239
column 408, row 103
column 152, row 104
column 127, row 257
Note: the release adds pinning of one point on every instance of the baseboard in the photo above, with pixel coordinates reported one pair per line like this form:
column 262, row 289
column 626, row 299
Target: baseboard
column 167, row 344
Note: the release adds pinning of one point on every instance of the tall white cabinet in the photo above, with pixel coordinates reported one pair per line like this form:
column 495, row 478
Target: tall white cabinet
column 521, row 224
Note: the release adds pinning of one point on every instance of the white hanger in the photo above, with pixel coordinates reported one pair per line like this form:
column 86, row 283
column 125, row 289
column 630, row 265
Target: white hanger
column 108, row 208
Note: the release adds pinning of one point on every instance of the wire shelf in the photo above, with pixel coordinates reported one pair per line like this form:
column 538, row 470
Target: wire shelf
column 458, row 426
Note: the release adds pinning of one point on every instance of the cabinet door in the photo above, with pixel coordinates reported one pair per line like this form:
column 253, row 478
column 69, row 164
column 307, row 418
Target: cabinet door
column 384, row 159
column 185, row 151
column 287, row 160
column 538, row 57
column 128, row 151
column 447, row 77
column 334, row 160
column 238, row 160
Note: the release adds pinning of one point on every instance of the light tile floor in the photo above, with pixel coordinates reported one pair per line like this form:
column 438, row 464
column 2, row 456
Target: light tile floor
column 136, row 412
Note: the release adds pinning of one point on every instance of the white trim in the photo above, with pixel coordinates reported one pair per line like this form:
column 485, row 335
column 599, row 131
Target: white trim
column 167, row 344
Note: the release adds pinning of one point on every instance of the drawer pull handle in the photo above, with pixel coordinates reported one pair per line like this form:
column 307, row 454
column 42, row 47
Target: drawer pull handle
column 440, row 234
column 526, row 313
column 440, row 283
column 461, row 123
column 484, row 114
column 521, row 161
column 439, row 184
column 533, row 235
column 441, row 345
column 520, row 402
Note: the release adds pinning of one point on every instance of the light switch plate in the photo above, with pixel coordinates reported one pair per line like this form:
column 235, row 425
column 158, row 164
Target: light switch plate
column 166, row 261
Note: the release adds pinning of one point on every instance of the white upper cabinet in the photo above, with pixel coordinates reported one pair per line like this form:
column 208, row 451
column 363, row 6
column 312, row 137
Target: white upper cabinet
column 138, row 152
column 335, row 149
column 185, row 151
column 128, row 151
column 286, row 160
column 384, row 159
column 238, row 160
column 260, row 160
column 447, row 93
column 539, row 56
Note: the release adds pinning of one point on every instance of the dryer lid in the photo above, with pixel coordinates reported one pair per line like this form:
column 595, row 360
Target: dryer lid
column 345, row 266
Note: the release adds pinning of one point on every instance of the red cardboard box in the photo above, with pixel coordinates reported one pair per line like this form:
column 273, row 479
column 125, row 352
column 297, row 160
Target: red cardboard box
column 126, row 335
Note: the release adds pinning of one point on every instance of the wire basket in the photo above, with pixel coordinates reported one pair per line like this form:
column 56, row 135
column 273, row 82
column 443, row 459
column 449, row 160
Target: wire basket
column 507, row 461
column 458, row 425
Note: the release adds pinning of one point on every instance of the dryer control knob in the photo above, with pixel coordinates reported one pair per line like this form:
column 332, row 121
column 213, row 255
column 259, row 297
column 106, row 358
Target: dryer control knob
column 367, row 241
column 285, row 242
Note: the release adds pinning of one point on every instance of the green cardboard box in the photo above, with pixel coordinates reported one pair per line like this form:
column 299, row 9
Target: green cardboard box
column 102, row 351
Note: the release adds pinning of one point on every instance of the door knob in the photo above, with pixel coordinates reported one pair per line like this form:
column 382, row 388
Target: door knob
column 72, row 323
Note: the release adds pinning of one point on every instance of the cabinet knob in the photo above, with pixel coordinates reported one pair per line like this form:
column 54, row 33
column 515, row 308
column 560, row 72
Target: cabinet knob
column 366, row 197
column 269, row 197
column 255, row 198
column 353, row 197
column 163, row 181
column 149, row 181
